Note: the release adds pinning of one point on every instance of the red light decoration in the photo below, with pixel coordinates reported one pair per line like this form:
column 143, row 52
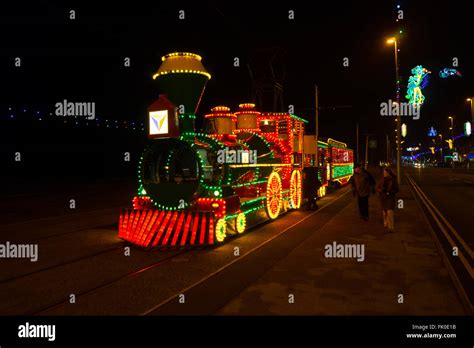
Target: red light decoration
column 152, row 231
column 203, row 230
column 217, row 205
column 244, row 130
column 144, row 223
column 178, row 228
column 162, row 228
column 221, row 111
column 187, row 225
column 193, row 233
column 170, row 227
column 155, row 228
column 142, row 202
column 225, row 138
column 145, row 240
column 211, row 232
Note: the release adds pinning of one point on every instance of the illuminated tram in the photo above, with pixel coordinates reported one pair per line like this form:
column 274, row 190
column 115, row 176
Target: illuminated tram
column 197, row 188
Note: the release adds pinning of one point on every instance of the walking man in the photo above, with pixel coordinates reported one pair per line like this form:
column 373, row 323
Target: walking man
column 362, row 182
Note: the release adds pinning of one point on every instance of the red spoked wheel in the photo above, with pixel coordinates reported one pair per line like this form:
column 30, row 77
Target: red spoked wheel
column 273, row 195
column 295, row 189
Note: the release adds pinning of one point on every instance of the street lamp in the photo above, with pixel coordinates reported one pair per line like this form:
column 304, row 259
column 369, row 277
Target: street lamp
column 394, row 41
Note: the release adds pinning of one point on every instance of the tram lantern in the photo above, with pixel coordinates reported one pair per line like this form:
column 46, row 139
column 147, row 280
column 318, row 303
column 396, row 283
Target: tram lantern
column 162, row 119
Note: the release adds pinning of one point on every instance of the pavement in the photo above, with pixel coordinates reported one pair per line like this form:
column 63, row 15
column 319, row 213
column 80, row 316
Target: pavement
column 406, row 262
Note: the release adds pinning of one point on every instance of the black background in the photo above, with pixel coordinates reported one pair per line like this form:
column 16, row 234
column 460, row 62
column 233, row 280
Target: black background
column 82, row 60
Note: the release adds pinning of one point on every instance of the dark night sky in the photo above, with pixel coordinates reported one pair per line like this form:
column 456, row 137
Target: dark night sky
column 82, row 59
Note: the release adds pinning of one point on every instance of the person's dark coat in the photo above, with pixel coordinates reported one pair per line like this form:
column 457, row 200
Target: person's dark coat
column 362, row 182
column 311, row 183
column 388, row 189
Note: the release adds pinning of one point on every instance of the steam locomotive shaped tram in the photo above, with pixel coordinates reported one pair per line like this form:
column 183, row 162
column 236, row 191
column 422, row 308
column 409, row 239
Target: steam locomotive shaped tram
column 197, row 188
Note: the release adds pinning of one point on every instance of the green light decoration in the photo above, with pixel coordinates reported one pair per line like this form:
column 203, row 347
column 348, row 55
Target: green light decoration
column 244, row 204
column 340, row 171
column 299, row 118
column 141, row 191
column 250, row 183
column 416, row 82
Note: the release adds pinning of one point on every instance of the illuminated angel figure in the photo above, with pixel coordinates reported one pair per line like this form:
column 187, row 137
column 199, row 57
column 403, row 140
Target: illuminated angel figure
column 416, row 83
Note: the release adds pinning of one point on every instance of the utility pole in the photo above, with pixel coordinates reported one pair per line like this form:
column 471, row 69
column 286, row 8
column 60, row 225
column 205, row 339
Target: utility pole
column 357, row 139
column 441, row 148
column 316, row 113
column 388, row 148
column 366, row 151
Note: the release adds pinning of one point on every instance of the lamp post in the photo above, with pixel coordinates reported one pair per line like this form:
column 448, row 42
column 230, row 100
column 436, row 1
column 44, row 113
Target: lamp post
column 472, row 110
column 394, row 41
column 451, row 118
column 441, row 148
column 472, row 124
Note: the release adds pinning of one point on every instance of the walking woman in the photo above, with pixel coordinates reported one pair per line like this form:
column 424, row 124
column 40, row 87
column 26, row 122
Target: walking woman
column 388, row 189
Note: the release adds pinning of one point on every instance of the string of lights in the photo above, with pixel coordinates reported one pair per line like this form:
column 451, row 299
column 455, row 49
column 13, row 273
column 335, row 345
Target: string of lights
column 16, row 114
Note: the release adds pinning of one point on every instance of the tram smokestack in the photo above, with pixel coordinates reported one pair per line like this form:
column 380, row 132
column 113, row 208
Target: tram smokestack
column 183, row 78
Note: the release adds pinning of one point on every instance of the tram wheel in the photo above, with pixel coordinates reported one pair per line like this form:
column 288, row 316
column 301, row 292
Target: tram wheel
column 220, row 230
column 273, row 195
column 240, row 223
column 295, row 189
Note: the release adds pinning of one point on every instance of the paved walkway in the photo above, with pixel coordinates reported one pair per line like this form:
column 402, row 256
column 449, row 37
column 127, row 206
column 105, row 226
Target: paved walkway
column 403, row 263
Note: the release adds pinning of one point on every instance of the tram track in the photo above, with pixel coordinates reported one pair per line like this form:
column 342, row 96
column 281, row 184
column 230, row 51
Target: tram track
column 60, row 234
column 96, row 288
column 110, row 282
column 48, row 268
column 103, row 291
column 243, row 258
